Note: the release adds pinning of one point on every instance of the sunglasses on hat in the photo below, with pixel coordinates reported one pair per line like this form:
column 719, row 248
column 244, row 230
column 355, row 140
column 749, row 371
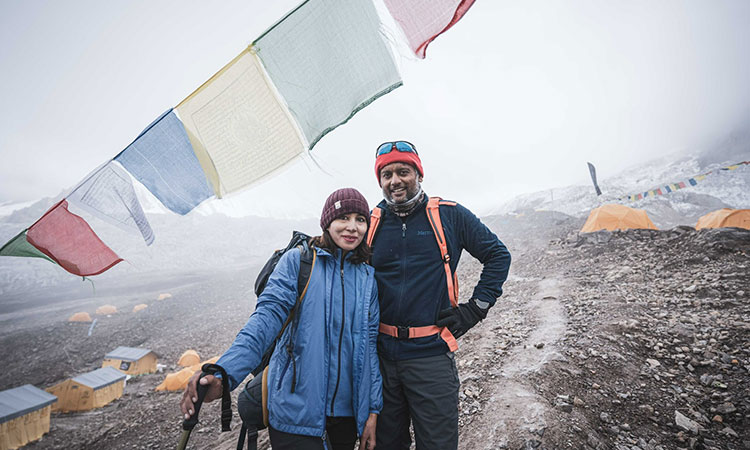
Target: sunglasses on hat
column 401, row 146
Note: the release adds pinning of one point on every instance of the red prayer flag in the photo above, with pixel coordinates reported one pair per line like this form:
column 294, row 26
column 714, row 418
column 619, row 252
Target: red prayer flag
column 70, row 242
column 424, row 20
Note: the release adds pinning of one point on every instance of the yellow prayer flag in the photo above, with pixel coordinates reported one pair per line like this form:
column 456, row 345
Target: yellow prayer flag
column 239, row 128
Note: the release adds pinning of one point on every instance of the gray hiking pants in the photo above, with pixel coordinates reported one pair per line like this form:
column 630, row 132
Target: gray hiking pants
column 423, row 391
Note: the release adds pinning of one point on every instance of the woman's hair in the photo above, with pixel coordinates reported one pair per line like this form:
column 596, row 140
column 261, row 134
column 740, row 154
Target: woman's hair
column 361, row 254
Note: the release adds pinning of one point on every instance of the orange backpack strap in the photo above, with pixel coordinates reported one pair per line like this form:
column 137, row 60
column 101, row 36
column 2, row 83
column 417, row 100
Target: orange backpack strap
column 400, row 332
column 433, row 215
column 374, row 222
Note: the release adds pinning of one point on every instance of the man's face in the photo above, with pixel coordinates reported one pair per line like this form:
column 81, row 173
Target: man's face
column 400, row 181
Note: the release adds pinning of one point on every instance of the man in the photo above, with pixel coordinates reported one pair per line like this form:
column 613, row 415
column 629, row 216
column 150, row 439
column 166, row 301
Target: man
column 419, row 313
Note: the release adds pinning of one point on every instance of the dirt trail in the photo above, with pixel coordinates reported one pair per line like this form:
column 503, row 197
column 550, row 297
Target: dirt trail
column 513, row 413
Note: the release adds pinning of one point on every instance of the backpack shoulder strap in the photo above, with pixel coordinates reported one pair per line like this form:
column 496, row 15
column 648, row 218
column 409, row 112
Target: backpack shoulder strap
column 433, row 215
column 307, row 259
column 374, row 222
column 264, row 396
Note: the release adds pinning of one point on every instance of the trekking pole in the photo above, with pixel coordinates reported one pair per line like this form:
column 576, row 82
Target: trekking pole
column 189, row 424
column 226, row 403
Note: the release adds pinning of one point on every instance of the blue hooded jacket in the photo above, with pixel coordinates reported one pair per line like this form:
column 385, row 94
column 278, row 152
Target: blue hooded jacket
column 304, row 410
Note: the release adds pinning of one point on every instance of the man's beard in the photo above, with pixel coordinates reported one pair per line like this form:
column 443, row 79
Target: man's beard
column 405, row 208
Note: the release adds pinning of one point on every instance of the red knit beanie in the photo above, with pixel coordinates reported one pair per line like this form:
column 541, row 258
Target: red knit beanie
column 343, row 201
column 397, row 156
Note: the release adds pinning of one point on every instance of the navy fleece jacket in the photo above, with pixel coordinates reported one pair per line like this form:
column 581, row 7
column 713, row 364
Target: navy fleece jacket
column 411, row 279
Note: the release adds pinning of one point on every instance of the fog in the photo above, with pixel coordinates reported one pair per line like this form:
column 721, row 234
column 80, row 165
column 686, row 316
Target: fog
column 515, row 98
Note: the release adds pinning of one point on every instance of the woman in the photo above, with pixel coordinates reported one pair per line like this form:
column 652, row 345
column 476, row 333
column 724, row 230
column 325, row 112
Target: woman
column 329, row 389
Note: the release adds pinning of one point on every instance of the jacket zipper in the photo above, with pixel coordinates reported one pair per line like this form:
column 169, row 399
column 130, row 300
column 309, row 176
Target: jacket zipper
column 403, row 266
column 341, row 336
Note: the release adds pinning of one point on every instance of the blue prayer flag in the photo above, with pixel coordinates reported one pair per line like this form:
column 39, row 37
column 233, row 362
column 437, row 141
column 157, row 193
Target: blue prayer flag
column 162, row 159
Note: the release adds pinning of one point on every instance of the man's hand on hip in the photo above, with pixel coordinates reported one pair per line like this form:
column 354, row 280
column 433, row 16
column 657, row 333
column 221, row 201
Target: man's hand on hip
column 460, row 320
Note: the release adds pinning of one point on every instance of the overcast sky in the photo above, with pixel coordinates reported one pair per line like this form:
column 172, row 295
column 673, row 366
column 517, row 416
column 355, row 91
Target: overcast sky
column 515, row 98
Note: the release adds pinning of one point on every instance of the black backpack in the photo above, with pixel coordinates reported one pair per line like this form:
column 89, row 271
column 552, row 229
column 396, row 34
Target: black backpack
column 254, row 411
column 306, row 263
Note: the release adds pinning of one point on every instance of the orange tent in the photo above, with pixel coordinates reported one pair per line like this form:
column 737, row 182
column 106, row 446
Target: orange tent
column 177, row 381
column 164, row 296
column 106, row 309
column 617, row 217
column 80, row 317
column 725, row 217
column 140, row 307
column 189, row 358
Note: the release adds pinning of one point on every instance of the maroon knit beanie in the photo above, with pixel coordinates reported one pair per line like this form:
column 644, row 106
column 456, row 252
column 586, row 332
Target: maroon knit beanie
column 343, row 201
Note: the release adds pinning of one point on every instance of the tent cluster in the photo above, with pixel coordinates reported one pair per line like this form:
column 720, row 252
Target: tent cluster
column 25, row 410
column 299, row 80
column 619, row 217
column 105, row 310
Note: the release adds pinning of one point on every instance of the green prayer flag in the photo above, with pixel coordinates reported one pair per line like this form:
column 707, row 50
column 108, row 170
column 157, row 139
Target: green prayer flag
column 19, row 246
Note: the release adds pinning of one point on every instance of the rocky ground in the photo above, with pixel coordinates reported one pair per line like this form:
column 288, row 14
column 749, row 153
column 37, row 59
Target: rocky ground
column 626, row 340
column 634, row 340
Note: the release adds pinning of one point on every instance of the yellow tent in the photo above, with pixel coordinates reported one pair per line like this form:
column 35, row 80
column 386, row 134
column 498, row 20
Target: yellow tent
column 189, row 358
column 140, row 307
column 106, row 309
column 617, row 217
column 725, row 217
column 88, row 391
column 164, row 296
column 80, row 317
column 24, row 415
column 177, row 381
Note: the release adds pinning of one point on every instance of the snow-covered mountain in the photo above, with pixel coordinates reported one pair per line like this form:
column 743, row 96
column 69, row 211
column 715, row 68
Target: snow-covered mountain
column 720, row 189
column 207, row 240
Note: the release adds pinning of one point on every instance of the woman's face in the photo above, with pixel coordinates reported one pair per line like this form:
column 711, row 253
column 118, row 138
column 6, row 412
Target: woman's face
column 348, row 230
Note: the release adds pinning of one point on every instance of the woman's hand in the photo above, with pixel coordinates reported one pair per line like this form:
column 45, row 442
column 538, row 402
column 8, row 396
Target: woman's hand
column 367, row 440
column 190, row 396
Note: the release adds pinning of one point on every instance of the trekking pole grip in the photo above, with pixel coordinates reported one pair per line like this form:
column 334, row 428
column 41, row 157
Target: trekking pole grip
column 189, row 424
